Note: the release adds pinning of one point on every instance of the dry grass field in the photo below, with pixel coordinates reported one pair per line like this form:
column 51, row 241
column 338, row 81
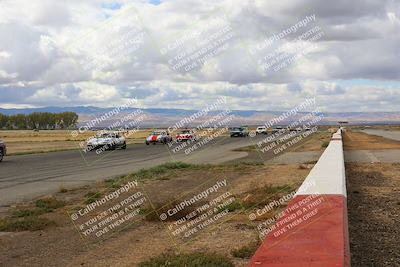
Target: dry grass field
column 234, row 237
column 363, row 141
column 28, row 142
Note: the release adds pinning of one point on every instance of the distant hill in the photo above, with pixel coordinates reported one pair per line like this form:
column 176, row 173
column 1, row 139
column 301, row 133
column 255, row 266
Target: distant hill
column 164, row 117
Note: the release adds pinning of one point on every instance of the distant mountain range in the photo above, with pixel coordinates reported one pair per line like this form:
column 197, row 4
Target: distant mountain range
column 156, row 117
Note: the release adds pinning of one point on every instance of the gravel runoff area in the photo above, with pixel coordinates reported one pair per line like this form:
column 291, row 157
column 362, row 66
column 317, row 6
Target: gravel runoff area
column 374, row 214
column 373, row 206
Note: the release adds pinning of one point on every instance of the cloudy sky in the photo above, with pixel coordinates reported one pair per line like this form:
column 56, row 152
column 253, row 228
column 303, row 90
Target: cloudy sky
column 261, row 55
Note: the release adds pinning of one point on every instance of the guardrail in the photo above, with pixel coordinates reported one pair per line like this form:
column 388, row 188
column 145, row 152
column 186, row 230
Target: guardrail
column 312, row 231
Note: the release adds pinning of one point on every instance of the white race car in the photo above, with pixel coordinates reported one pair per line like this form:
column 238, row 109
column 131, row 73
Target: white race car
column 158, row 137
column 107, row 141
column 185, row 135
column 261, row 130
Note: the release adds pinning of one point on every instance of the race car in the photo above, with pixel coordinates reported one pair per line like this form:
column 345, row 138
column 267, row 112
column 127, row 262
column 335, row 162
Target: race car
column 261, row 130
column 106, row 141
column 162, row 137
column 185, row 135
column 242, row 131
column 277, row 129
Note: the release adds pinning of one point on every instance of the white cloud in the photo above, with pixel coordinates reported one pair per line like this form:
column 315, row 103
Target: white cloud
column 38, row 38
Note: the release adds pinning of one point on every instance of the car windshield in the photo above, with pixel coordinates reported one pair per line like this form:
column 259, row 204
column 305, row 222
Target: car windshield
column 104, row 135
column 186, row 132
column 156, row 133
column 237, row 129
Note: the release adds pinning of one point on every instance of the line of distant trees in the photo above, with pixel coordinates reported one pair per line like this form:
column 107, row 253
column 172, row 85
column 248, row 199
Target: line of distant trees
column 39, row 120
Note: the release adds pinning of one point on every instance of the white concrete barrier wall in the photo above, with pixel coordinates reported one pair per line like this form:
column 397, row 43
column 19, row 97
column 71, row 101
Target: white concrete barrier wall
column 328, row 175
column 317, row 216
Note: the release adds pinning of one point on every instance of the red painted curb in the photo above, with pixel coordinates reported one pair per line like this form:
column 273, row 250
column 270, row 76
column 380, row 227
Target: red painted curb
column 312, row 232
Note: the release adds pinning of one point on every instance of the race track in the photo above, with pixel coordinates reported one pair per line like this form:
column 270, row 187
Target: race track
column 27, row 176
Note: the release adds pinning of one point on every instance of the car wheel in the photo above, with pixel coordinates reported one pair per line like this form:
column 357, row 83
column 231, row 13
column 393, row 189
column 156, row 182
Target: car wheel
column 147, row 143
column 113, row 147
column 124, row 145
column 1, row 155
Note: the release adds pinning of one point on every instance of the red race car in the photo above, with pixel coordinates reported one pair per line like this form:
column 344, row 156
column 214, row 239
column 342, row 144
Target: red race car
column 185, row 135
column 162, row 137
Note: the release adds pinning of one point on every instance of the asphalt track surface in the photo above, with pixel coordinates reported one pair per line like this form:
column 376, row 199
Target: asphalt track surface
column 28, row 176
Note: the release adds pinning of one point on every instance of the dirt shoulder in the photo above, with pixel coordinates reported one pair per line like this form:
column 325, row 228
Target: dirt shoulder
column 59, row 243
column 318, row 142
column 373, row 204
column 363, row 141
column 374, row 213
column 314, row 143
